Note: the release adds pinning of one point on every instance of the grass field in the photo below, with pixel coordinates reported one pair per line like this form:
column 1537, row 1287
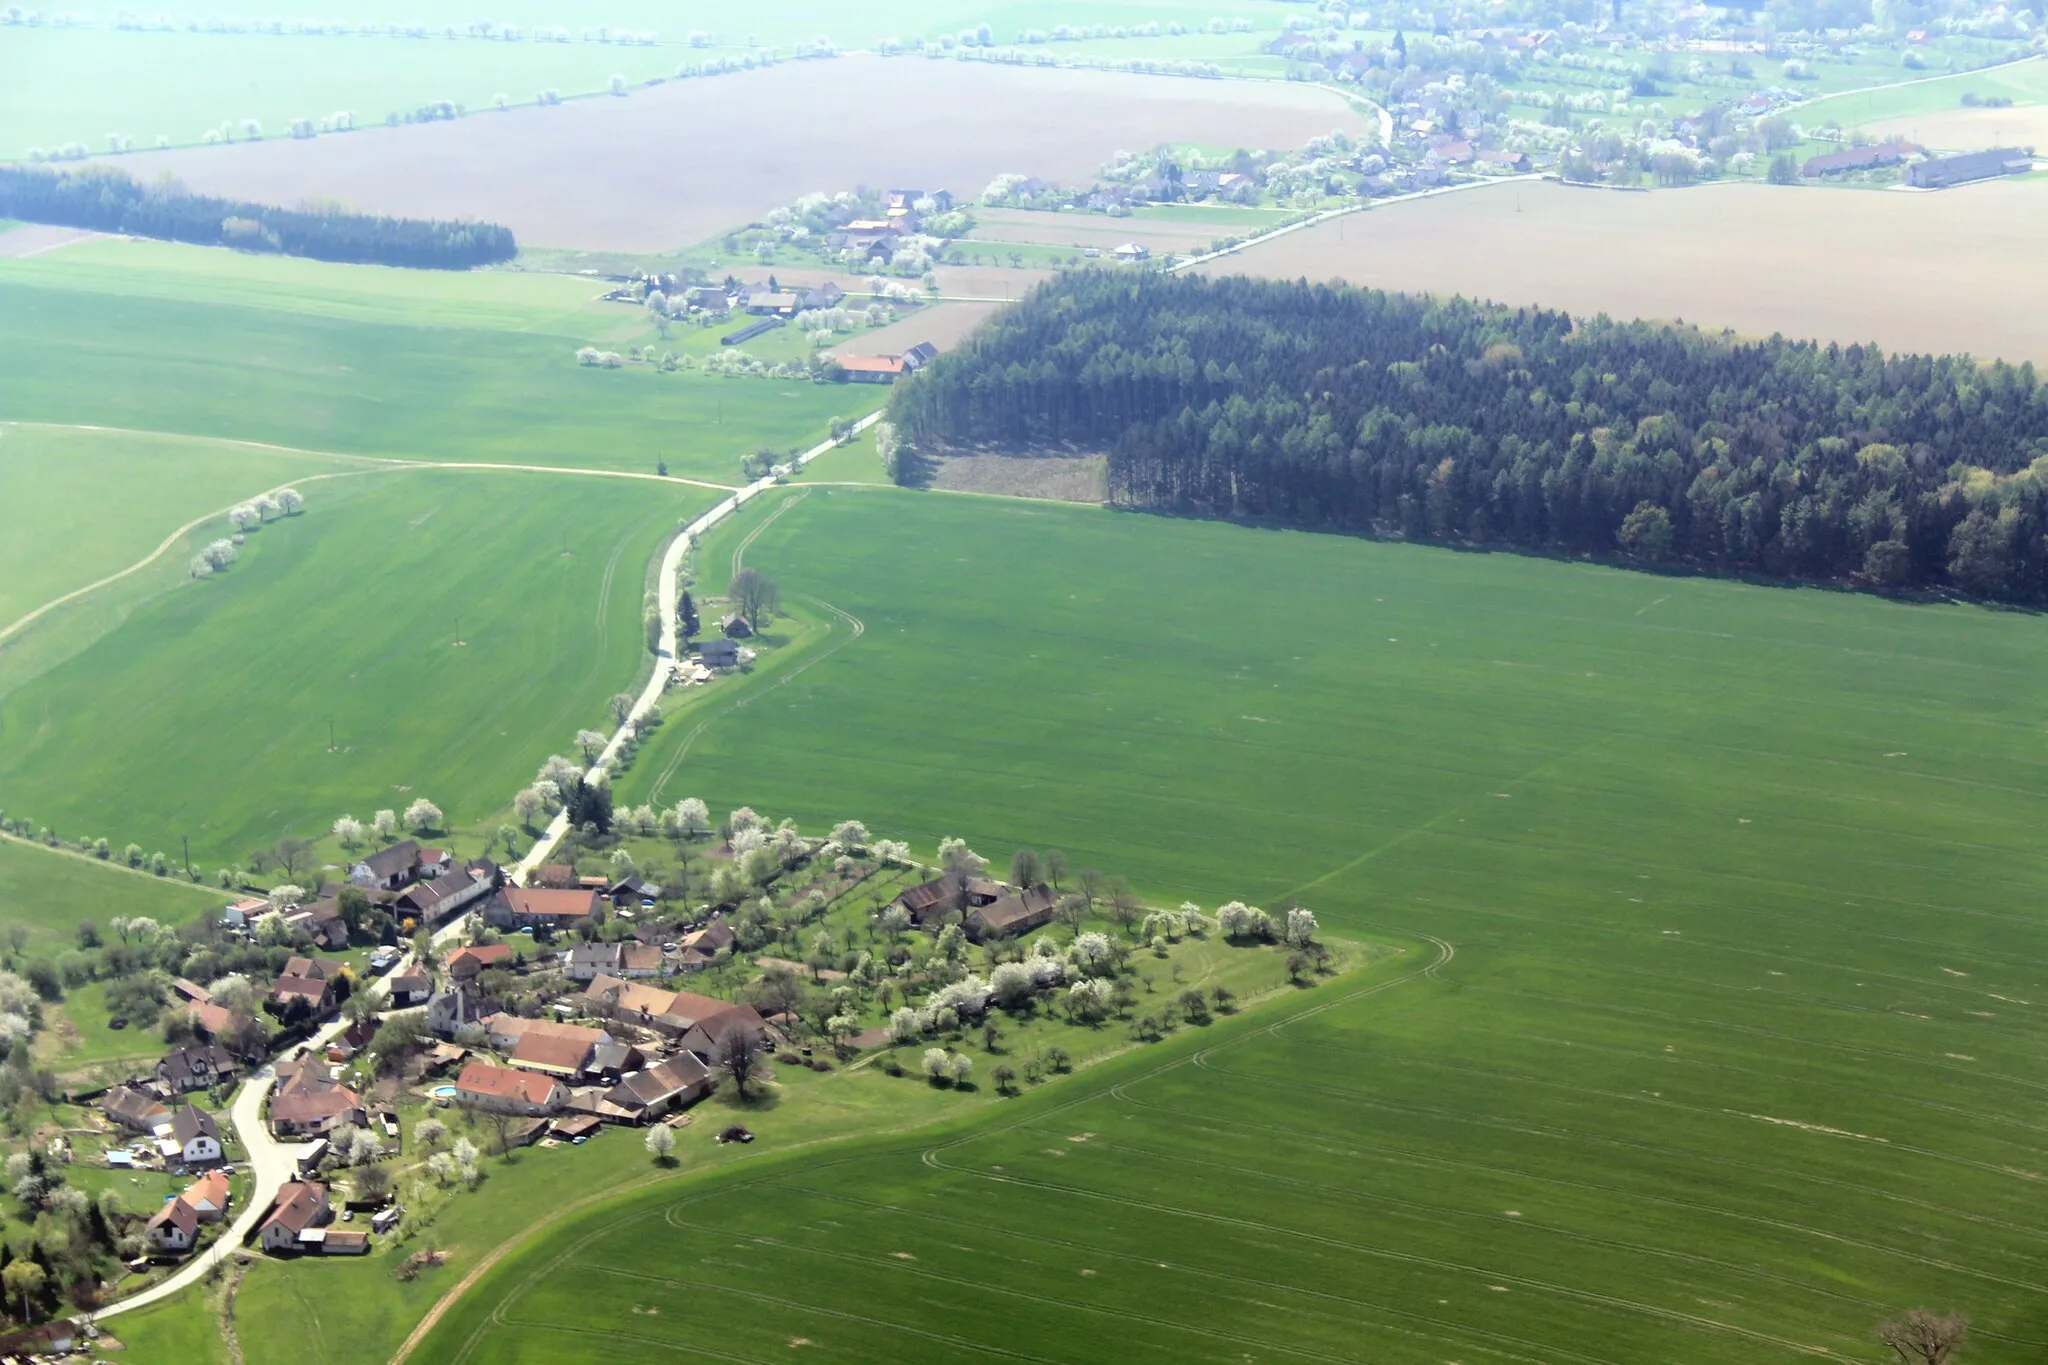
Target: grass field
column 1733, row 1050
column 348, row 615
column 2022, row 82
column 412, row 364
column 51, row 892
column 1954, row 268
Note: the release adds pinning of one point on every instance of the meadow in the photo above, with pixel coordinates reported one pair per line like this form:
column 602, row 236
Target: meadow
column 1728, row 1043
column 2024, row 83
column 363, row 360
column 1912, row 272
column 49, row 892
column 576, row 175
column 451, row 628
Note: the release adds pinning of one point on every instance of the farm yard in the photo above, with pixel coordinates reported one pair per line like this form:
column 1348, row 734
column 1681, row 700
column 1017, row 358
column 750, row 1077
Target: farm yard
column 1952, row 271
column 1689, row 927
column 580, row 175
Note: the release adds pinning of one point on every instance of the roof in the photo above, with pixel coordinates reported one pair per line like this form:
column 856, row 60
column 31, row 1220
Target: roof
column 1022, row 908
column 400, row 857
column 504, row 1083
column 683, row 1007
column 483, row 954
column 201, row 1059
column 547, row 1052
column 308, row 1099
column 312, row 968
column 210, row 1189
column 298, row 1204
column 411, row 984
column 659, row 1083
column 289, row 987
column 344, row 1241
column 711, row 937
column 192, row 1122
column 195, row 993
column 526, row 900
column 926, row 895
column 177, row 1213
column 582, row 1125
column 710, row 1032
column 428, row 894
column 871, row 364
column 555, row 874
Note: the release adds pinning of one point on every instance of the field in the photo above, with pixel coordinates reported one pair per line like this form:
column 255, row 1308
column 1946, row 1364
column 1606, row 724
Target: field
column 735, row 147
column 1729, row 1044
column 1186, row 235
column 2022, row 82
column 208, row 713
column 396, row 363
column 1968, row 130
column 50, row 892
column 1911, row 272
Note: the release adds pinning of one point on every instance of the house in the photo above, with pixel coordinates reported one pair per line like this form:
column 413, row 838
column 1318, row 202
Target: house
column 208, row 1196
column 322, row 922
column 309, row 1102
column 905, row 201
column 190, row 992
column 435, row 862
column 174, row 1227
column 457, row 1008
column 919, row 356
column 577, row 1126
column 317, row 994
column 555, row 877
column 1017, row 913
column 210, row 1019
column 632, row 1002
column 718, row 653
column 778, row 303
column 588, row 961
column 466, row 964
column 134, row 1109
column 707, row 1037
column 870, row 369
column 1873, row 157
column 388, row 869
column 431, row 902
column 314, row 968
column 564, row 1051
column 199, row 1067
column 1503, row 160
column 826, row 295
column 681, row 1080
column 1450, row 151
column 405, row 991
column 344, row 1242
column 700, row 948
column 735, row 626
column 1133, row 251
column 707, row 299
column 197, row 1135
column 929, row 898
column 1940, row 172
column 242, row 913
column 631, row 889
column 522, row 907
column 301, row 1207
column 503, row 1090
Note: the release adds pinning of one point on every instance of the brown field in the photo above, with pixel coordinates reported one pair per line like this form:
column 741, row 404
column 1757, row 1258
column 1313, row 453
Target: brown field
column 1966, row 130
column 1082, row 478
column 1096, row 230
column 944, row 325
column 1953, row 271
column 33, row 239
column 669, row 166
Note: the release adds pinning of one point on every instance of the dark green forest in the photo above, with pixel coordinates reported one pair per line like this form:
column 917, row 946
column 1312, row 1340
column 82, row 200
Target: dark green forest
column 1334, row 408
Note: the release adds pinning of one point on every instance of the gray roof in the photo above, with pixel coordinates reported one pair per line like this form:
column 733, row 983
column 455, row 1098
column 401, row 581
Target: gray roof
column 191, row 1121
column 400, row 857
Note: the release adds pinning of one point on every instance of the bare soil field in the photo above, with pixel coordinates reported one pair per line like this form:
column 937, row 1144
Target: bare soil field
column 1079, row 478
column 672, row 165
column 33, row 239
column 1096, row 230
column 1967, row 130
column 1952, row 271
column 944, row 325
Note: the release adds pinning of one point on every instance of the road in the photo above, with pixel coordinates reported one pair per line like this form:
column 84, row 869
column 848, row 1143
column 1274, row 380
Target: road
column 665, row 651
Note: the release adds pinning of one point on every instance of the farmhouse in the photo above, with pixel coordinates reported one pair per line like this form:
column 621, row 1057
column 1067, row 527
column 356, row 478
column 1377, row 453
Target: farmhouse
column 708, row 1037
column 1133, row 251
column 700, row 948
column 630, row 889
column 135, row 1110
column 322, row 921
column 564, row 1051
column 444, row 897
column 1869, row 158
column 466, row 964
column 667, row 1012
column 388, row 869
column 718, row 653
column 197, row 1136
column 317, row 994
column 1016, row 913
column 735, row 625
column 520, row 907
column 649, row 1094
column 1938, row 173
column 555, row 876
column 586, row 961
column 502, row 1090
column 199, row 1067
column 301, row 1208
column 871, row 369
column 174, row 1227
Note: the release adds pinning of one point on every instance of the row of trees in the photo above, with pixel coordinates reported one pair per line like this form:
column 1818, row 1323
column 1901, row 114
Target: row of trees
column 1348, row 409
column 108, row 201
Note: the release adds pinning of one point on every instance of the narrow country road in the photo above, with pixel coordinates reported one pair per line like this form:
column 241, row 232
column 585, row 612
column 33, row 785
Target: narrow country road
column 665, row 650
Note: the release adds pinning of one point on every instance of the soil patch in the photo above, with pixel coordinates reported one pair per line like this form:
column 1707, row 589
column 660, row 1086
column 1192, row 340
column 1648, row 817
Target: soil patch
column 1061, row 478
column 33, row 239
column 669, row 166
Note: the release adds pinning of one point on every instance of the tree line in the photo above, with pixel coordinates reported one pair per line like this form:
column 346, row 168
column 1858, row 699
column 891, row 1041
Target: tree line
column 108, row 201
column 1330, row 407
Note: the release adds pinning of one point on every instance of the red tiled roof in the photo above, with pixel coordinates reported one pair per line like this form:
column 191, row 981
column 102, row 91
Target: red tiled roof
column 871, row 364
column 481, row 1078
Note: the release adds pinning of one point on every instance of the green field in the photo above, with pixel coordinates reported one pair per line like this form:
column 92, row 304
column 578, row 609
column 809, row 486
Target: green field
column 412, row 364
column 2022, row 82
column 1732, row 1050
column 51, row 892
column 208, row 713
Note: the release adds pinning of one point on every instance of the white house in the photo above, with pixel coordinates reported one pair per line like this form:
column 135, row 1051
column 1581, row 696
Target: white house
column 197, row 1136
column 174, row 1227
column 301, row 1205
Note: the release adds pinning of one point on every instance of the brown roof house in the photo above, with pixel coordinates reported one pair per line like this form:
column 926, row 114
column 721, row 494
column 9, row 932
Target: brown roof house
column 199, row 1067
column 388, row 869
column 466, row 964
column 1017, row 913
column 208, row 1196
column 301, row 1208
column 312, row 1104
column 679, row 1081
column 506, row 1091
column 707, row 1037
column 524, row 907
column 174, row 1227
column 555, row 876
column 587, row 961
column 135, row 1110
column 197, row 1136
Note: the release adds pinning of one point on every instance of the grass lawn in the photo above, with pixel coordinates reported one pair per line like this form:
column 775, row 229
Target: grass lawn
column 75, row 1037
column 1728, row 1051
column 347, row 615
column 412, row 364
column 50, row 892
column 184, row 1328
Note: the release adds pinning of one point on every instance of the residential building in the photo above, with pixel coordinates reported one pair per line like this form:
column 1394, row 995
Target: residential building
column 631, row 1002
column 649, row 1094
column 707, row 1037
column 199, row 1067
column 628, row 959
column 466, row 964
column 309, row 1102
column 555, row 876
column 556, row 1052
column 388, row 869
column 411, row 989
column 459, row 1007
column 1018, row 912
column 735, row 626
column 919, row 356
column 870, row 369
column 174, row 1227
column 521, row 907
column 1132, row 252
column 504, row 1090
column 135, row 1110
column 700, row 948
column 318, row 995
column 780, row 302
column 631, row 890
column 929, row 898
column 301, row 1207
column 197, row 1135
column 718, row 653
column 208, row 1196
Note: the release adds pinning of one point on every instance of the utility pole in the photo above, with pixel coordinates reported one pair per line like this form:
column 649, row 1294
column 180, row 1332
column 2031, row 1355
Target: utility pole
column 186, row 840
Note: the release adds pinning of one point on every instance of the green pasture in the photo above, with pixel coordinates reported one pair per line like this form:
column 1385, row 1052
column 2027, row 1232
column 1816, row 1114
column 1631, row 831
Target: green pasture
column 1731, row 1052
column 50, row 892
column 2021, row 82
column 208, row 713
column 486, row 373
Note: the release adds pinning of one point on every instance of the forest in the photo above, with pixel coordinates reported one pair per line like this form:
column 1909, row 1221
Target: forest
column 1335, row 408
column 108, row 201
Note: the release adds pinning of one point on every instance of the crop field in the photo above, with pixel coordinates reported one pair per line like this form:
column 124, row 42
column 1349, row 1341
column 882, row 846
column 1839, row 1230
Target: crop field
column 1969, row 130
column 2021, row 82
column 363, row 360
column 734, row 147
column 50, row 892
column 208, row 713
column 1731, row 1043
column 1912, row 272
column 1185, row 234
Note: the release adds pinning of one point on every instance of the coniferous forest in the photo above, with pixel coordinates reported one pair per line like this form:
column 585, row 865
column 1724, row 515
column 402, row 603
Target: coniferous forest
column 1329, row 407
column 108, row 201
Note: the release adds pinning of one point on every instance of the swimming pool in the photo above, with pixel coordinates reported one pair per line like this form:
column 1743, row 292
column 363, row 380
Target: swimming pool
column 443, row 1092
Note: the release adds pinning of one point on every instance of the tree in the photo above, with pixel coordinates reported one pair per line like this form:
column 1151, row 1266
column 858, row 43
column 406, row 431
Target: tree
column 385, row 822
column 24, row 1280
column 423, row 814
column 349, row 830
column 1783, row 170
column 1054, row 867
column 660, row 1142
column 1301, row 928
column 591, row 744
column 938, row 1066
column 528, row 805
column 739, row 1056
column 1090, row 883
column 1918, row 1338
column 1025, row 868
column 1646, row 533
column 686, row 616
column 621, row 706
column 755, row 594
column 693, row 817
column 290, row 501
column 289, row 854
column 1005, row 1077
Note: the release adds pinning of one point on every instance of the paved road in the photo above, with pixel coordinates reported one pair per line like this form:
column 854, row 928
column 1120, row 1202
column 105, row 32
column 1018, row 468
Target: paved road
column 665, row 650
